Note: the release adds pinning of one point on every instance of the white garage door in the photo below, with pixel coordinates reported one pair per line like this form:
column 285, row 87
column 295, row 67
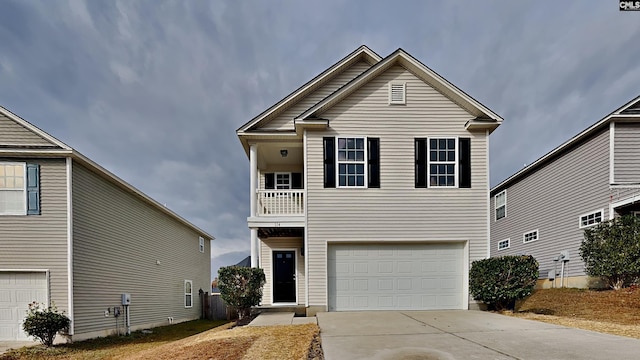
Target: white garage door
column 395, row 276
column 17, row 290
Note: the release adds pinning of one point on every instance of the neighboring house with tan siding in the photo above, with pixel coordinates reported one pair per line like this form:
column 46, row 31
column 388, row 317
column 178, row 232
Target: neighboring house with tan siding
column 75, row 235
column 369, row 188
column 544, row 208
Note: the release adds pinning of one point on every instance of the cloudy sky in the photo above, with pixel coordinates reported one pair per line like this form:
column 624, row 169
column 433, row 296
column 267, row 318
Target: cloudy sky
column 154, row 90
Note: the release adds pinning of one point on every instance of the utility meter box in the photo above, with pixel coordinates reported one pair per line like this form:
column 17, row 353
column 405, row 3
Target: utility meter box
column 126, row 299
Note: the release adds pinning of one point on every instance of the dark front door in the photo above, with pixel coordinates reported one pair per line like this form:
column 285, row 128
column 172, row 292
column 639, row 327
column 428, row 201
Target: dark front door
column 284, row 276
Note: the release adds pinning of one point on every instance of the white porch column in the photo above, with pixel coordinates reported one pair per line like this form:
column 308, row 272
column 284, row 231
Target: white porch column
column 254, row 247
column 253, row 177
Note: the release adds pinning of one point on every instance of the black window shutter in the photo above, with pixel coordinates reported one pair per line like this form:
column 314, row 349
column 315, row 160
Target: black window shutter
column 329, row 162
column 373, row 162
column 33, row 189
column 269, row 181
column 296, row 181
column 421, row 163
column 464, row 162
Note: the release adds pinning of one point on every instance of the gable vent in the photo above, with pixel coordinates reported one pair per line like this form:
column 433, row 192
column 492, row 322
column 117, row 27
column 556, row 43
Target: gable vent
column 397, row 93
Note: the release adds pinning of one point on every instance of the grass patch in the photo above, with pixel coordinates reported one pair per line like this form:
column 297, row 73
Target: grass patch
column 114, row 346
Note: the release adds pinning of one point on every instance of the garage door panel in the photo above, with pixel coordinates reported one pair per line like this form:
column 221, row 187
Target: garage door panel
column 395, row 276
column 19, row 289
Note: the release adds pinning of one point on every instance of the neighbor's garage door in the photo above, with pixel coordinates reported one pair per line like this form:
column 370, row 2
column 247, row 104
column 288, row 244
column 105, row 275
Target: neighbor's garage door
column 395, row 276
column 17, row 290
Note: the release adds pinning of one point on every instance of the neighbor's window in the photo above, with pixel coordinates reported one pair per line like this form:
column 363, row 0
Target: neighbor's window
column 530, row 236
column 442, row 162
column 201, row 243
column 591, row 219
column 501, row 204
column 13, row 199
column 504, row 244
column 188, row 293
column 351, row 162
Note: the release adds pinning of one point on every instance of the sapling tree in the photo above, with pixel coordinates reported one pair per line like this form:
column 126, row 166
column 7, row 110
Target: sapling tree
column 241, row 288
column 44, row 323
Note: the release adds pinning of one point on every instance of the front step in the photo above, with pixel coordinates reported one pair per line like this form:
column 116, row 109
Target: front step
column 298, row 310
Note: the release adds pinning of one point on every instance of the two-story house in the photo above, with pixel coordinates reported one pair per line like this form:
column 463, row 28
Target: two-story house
column 543, row 209
column 369, row 188
column 74, row 235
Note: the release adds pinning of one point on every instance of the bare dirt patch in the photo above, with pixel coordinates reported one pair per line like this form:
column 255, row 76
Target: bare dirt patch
column 607, row 311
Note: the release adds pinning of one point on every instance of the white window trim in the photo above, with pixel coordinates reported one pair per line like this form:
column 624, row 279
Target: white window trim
column 601, row 211
column 455, row 165
column 404, row 93
column 24, row 187
column 508, row 240
column 201, row 244
column 275, row 180
column 530, row 232
column 186, row 293
column 366, row 156
column 495, row 205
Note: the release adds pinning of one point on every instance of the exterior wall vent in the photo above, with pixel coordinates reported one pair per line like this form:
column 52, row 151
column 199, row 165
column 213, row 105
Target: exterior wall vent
column 397, row 93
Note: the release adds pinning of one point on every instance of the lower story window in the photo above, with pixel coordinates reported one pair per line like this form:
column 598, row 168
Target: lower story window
column 503, row 244
column 188, row 293
column 591, row 219
column 530, row 236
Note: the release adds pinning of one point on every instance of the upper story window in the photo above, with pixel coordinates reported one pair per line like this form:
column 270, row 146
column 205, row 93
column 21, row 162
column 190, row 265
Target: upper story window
column 397, row 93
column 444, row 162
column 530, row 236
column 504, row 244
column 283, row 181
column 201, row 244
column 356, row 159
column 351, row 162
column 501, row 204
column 591, row 219
column 19, row 188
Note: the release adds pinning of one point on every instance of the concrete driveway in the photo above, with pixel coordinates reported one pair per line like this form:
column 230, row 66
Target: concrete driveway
column 461, row 334
column 7, row 345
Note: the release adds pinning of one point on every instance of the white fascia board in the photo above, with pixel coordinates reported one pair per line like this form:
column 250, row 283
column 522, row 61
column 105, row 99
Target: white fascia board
column 398, row 55
column 36, row 152
column 33, row 128
column 335, row 68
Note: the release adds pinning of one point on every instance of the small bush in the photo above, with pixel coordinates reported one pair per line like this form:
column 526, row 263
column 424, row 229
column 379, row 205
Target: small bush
column 241, row 288
column 500, row 281
column 45, row 323
column 611, row 250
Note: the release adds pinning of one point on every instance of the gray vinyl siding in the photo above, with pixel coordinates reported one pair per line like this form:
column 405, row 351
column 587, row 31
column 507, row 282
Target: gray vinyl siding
column 12, row 133
column 627, row 153
column 397, row 211
column 118, row 239
column 284, row 121
column 266, row 263
column 552, row 199
column 40, row 241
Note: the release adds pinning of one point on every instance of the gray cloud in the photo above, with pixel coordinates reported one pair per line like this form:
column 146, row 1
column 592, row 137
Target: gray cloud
column 154, row 90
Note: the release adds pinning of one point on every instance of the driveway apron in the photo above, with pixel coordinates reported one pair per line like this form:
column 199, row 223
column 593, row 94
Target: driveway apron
column 461, row 334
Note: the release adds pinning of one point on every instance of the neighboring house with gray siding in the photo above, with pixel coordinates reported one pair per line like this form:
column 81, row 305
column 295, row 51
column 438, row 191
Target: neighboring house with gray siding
column 544, row 208
column 369, row 188
column 75, row 235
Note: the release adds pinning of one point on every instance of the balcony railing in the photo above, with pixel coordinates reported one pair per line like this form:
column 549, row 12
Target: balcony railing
column 280, row 202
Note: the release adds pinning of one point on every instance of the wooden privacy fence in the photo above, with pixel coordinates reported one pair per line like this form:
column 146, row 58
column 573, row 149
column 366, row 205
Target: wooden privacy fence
column 213, row 308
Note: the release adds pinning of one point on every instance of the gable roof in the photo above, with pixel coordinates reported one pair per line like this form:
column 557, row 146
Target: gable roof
column 64, row 150
column 419, row 69
column 627, row 112
column 363, row 53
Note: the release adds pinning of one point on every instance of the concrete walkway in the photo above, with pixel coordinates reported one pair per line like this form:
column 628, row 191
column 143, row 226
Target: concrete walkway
column 461, row 334
column 281, row 318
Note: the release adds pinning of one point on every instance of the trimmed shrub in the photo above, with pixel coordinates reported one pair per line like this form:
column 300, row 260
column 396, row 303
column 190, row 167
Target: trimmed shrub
column 45, row 323
column 611, row 250
column 500, row 281
column 241, row 288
